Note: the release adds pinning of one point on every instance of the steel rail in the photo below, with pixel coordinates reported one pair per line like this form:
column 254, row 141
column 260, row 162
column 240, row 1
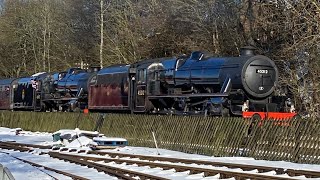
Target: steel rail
column 26, row 145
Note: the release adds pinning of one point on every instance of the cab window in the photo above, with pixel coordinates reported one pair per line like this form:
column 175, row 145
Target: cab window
column 142, row 76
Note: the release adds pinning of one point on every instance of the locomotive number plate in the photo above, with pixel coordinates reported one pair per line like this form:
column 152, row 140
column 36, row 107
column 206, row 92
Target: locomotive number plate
column 262, row 71
column 141, row 92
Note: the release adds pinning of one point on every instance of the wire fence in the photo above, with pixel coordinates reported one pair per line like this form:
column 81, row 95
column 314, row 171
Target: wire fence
column 294, row 140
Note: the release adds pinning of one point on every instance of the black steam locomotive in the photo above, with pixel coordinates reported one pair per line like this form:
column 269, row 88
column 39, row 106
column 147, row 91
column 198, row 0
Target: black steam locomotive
column 195, row 84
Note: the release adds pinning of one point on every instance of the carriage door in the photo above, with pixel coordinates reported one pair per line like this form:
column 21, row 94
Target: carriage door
column 140, row 93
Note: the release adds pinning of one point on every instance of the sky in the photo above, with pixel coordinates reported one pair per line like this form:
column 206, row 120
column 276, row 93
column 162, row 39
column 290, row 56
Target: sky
column 20, row 170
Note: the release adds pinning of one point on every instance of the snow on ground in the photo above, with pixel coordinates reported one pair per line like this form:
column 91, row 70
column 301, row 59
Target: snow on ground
column 22, row 170
column 47, row 161
column 19, row 169
column 240, row 160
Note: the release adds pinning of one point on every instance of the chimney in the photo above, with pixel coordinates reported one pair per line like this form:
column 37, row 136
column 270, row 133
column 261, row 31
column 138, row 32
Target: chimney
column 247, row 51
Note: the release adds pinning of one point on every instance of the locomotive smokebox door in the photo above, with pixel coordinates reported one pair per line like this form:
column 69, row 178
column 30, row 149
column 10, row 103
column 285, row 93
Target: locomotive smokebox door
column 260, row 75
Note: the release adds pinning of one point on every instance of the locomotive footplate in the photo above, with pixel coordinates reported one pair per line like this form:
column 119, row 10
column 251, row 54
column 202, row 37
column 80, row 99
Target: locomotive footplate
column 204, row 95
column 62, row 99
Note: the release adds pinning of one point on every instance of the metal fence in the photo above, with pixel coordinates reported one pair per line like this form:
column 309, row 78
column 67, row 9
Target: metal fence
column 296, row 141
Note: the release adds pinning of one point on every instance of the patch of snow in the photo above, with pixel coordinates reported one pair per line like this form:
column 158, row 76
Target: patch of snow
column 37, row 74
column 82, row 141
column 109, row 139
column 76, row 132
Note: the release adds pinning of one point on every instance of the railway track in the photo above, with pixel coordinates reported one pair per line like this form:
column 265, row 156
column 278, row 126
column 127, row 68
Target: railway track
column 73, row 176
column 102, row 161
column 110, row 170
column 244, row 167
column 165, row 166
column 42, row 162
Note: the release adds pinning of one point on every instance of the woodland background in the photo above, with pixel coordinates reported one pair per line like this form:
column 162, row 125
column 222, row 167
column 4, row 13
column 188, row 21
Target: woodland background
column 52, row 35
